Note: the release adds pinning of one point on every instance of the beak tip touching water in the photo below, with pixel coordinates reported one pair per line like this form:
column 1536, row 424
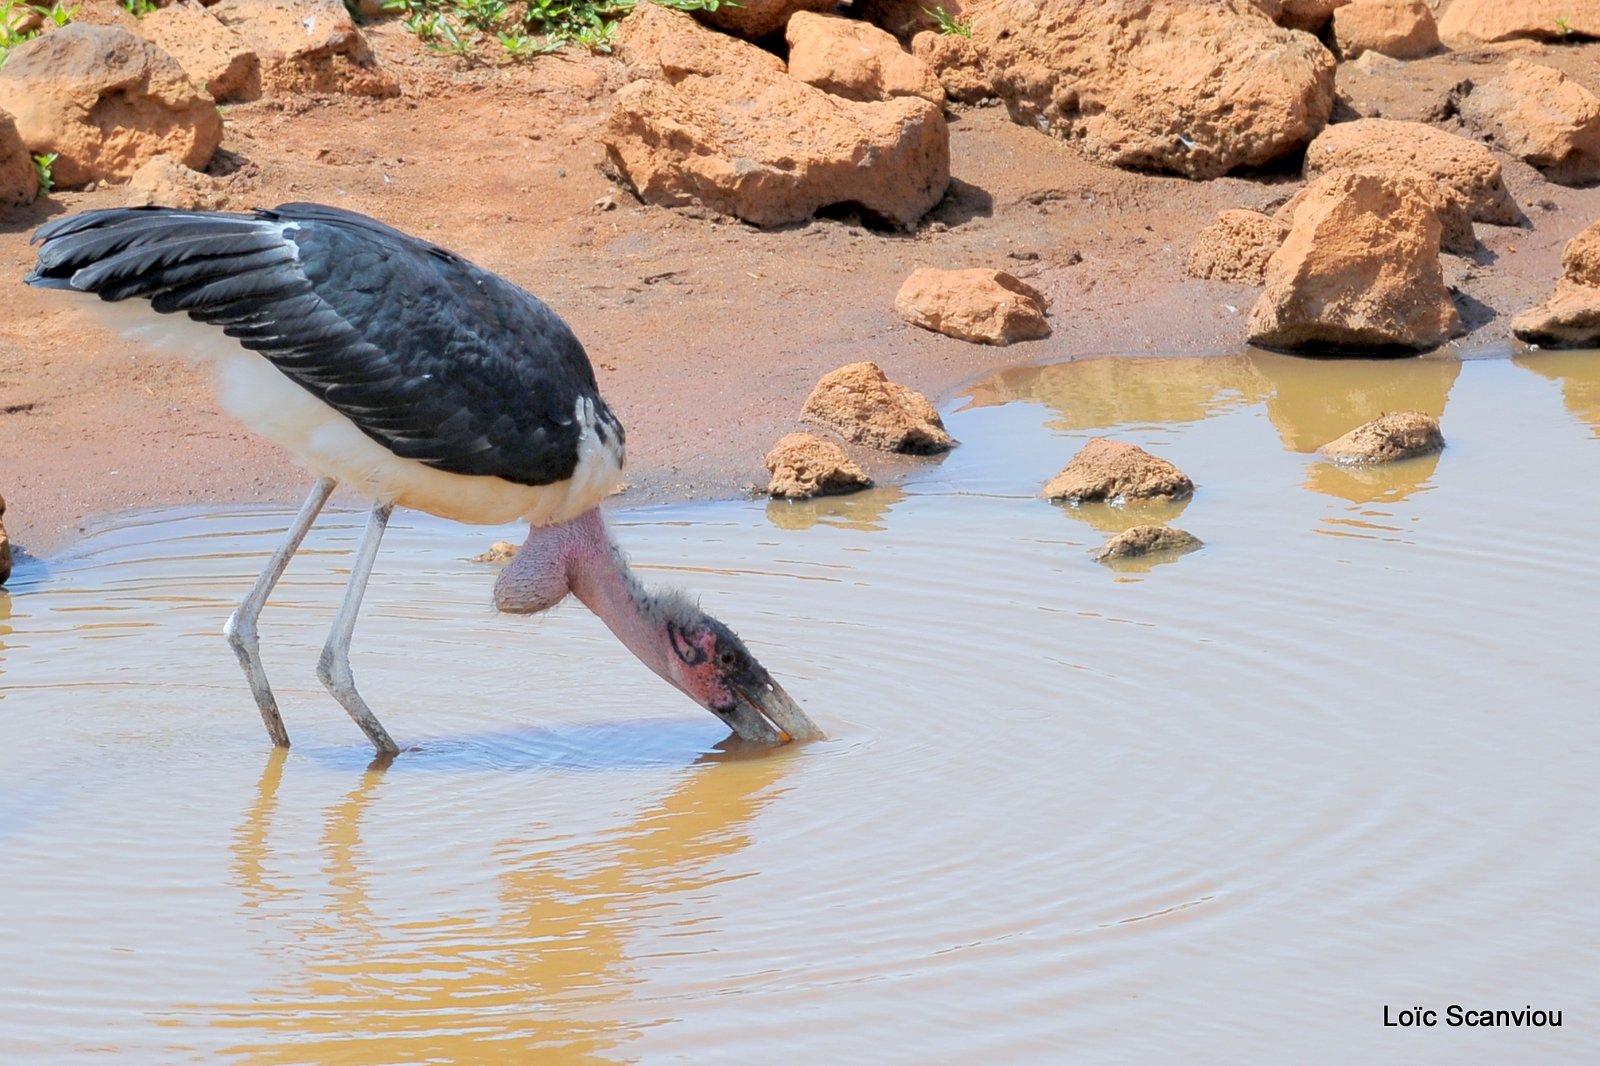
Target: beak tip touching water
column 765, row 712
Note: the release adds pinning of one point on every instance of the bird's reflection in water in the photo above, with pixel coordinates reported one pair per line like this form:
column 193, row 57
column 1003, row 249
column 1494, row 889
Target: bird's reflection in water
column 538, row 976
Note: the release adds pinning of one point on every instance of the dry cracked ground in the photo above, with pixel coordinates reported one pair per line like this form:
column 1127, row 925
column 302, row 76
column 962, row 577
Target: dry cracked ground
column 717, row 265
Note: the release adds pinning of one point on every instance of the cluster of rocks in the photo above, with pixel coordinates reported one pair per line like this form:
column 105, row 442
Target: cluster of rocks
column 109, row 102
column 860, row 404
column 1121, row 474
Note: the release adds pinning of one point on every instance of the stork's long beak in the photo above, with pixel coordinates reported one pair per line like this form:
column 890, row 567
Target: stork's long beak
column 762, row 705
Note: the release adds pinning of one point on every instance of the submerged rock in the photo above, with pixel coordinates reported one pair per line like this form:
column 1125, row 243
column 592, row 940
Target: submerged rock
column 864, row 406
column 804, row 465
column 979, row 305
column 1401, row 435
column 1147, row 540
column 1106, row 469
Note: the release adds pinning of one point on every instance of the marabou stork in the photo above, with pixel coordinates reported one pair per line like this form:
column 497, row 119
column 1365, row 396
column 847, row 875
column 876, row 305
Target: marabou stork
column 402, row 370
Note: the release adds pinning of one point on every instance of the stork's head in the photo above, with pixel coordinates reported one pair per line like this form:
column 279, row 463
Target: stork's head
column 714, row 668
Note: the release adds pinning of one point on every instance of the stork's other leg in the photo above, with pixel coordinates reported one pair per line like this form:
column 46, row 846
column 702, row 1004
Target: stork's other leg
column 241, row 626
column 334, row 665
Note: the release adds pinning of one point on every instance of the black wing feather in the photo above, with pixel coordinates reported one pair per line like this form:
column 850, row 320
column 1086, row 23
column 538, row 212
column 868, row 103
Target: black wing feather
column 431, row 356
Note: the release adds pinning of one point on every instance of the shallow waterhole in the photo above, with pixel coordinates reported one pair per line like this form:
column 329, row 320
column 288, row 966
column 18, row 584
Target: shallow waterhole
column 1219, row 809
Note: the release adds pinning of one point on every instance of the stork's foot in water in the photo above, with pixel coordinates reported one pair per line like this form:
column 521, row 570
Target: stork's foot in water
column 333, row 666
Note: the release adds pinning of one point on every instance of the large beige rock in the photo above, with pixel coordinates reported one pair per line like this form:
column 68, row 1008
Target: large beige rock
column 1456, row 233
column 1384, row 145
column 1359, row 270
column 862, row 405
column 307, row 46
column 1399, row 435
column 1236, row 247
column 1191, row 88
column 1401, row 29
column 804, row 465
column 18, row 182
column 105, row 102
column 980, row 305
column 1570, row 318
column 214, row 56
column 1541, row 115
column 855, row 60
column 955, row 61
column 1471, row 22
column 715, row 121
column 1112, row 470
column 759, row 18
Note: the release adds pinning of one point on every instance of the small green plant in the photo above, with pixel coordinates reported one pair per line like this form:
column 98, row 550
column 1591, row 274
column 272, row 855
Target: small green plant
column 949, row 25
column 523, row 28
column 42, row 165
column 138, row 8
column 1564, row 26
column 58, row 14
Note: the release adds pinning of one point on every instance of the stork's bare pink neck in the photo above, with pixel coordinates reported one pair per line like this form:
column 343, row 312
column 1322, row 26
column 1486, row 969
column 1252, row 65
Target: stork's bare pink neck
column 578, row 557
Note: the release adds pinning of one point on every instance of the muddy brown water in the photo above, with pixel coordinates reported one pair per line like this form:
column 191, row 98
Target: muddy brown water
column 1222, row 809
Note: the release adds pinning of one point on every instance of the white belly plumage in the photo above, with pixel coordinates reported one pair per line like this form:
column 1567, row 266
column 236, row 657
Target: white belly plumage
column 328, row 444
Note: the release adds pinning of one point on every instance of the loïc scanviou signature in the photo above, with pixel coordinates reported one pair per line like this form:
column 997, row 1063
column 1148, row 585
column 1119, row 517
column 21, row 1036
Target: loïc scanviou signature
column 1457, row 1015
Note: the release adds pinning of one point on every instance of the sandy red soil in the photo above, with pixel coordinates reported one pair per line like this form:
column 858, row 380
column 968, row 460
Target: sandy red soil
column 706, row 334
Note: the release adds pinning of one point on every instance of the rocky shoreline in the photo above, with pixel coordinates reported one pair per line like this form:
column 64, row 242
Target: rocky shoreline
column 1151, row 176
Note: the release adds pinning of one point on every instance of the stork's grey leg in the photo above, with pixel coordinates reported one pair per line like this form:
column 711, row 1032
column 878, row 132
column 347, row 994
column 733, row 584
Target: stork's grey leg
column 334, row 665
column 241, row 626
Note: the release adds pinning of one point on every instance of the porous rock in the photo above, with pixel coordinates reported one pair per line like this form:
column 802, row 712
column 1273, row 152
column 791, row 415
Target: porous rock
column 717, row 122
column 855, row 60
column 1147, row 540
column 5, row 545
column 1193, row 89
column 215, row 57
column 18, row 182
column 1472, row 22
column 1541, row 115
column 1384, row 145
column 980, row 305
column 1401, row 29
column 1236, row 247
column 804, row 465
column 307, row 46
column 105, row 102
column 1570, row 318
column 1359, row 271
column 1400, row 435
column 165, row 182
column 862, row 405
column 1106, row 469
column 954, row 60
column 1456, row 234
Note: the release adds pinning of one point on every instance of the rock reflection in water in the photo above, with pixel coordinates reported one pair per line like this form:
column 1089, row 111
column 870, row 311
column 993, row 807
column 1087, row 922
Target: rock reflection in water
column 1578, row 373
column 864, row 510
column 539, row 973
column 1095, row 393
column 1314, row 401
